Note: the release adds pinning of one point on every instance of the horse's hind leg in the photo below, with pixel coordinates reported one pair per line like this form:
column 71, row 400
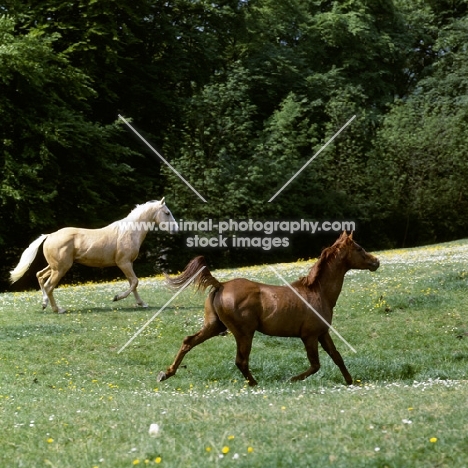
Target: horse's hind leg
column 41, row 277
column 243, row 331
column 209, row 330
column 127, row 270
column 244, row 346
column 328, row 345
column 311, row 346
column 49, row 286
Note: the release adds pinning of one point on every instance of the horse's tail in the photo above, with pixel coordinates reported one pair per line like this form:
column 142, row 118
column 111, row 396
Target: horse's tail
column 197, row 271
column 26, row 259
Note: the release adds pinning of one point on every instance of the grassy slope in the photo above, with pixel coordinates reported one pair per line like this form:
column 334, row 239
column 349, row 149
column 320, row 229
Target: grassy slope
column 67, row 399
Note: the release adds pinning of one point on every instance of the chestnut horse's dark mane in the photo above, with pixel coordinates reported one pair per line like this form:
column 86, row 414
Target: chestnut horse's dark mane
column 316, row 270
column 204, row 278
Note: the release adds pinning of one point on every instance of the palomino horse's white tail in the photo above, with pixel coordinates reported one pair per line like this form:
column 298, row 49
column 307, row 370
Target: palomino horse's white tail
column 26, row 259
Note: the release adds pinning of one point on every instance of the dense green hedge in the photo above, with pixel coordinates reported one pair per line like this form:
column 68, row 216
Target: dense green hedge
column 238, row 95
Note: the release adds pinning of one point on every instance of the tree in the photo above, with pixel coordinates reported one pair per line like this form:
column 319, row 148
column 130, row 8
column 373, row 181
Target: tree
column 214, row 149
column 50, row 151
column 301, row 70
column 422, row 147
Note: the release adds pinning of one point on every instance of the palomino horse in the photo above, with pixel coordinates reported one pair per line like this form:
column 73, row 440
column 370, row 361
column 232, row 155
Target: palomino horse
column 117, row 244
column 244, row 306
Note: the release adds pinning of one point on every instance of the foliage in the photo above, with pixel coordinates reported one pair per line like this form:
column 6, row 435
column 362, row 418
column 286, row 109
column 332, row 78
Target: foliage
column 238, row 96
column 215, row 149
column 296, row 63
column 50, row 150
column 422, row 146
column 49, row 147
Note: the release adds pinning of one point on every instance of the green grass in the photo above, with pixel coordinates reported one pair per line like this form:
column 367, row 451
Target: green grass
column 68, row 399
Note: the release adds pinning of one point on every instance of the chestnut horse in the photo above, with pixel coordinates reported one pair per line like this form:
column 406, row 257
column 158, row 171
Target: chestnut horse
column 117, row 244
column 244, row 306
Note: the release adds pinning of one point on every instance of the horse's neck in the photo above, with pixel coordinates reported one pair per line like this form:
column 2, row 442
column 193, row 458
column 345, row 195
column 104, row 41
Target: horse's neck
column 330, row 281
column 137, row 226
column 146, row 220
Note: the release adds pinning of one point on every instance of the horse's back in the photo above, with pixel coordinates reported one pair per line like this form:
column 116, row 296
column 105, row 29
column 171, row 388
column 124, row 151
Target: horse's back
column 60, row 238
column 236, row 293
column 273, row 310
column 92, row 247
column 71, row 236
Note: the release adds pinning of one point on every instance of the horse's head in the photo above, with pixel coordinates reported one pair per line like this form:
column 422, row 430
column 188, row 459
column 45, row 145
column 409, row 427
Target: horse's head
column 164, row 218
column 356, row 257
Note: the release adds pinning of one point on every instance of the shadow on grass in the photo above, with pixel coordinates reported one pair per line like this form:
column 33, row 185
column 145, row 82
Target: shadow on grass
column 128, row 309
column 25, row 331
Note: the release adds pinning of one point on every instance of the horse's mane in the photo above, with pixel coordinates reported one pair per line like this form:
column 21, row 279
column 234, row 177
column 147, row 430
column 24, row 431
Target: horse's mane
column 140, row 210
column 318, row 267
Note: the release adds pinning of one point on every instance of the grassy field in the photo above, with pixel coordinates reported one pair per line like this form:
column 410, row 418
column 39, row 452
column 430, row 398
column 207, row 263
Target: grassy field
column 69, row 399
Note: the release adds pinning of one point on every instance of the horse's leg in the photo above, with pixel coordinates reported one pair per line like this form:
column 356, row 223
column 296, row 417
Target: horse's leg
column 209, row 330
column 127, row 270
column 244, row 346
column 41, row 277
column 243, row 331
column 49, row 286
column 139, row 300
column 311, row 346
column 328, row 345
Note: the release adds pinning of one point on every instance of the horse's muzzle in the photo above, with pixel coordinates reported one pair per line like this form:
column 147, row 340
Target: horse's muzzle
column 374, row 264
column 174, row 228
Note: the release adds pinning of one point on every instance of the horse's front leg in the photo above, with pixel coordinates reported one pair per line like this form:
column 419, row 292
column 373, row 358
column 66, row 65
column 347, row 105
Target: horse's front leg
column 139, row 300
column 311, row 346
column 328, row 345
column 127, row 270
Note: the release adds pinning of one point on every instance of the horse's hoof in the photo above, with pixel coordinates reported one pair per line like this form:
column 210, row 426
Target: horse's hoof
column 116, row 298
column 61, row 311
column 142, row 304
column 162, row 376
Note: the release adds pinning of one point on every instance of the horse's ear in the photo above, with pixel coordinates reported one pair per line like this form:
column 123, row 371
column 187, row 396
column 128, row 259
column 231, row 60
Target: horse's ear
column 163, row 202
column 344, row 235
column 351, row 235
